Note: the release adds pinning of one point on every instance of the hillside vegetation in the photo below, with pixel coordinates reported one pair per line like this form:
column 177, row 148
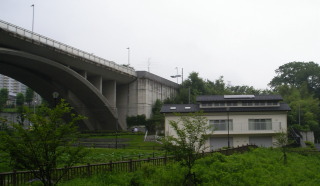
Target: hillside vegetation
column 258, row 167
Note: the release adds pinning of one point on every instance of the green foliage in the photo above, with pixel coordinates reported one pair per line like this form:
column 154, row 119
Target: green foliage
column 257, row 167
column 156, row 121
column 305, row 110
column 191, row 132
column 29, row 95
column 20, row 99
column 136, row 120
column 195, row 86
column 4, row 94
column 283, row 141
column 310, row 145
column 298, row 74
column 50, row 142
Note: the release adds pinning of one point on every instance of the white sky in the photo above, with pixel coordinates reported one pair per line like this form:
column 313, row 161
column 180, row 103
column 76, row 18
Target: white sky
column 243, row 40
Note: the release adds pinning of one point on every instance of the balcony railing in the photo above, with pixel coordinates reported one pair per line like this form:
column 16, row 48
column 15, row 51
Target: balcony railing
column 66, row 48
column 243, row 128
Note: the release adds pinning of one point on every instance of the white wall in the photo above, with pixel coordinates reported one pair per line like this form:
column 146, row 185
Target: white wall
column 240, row 133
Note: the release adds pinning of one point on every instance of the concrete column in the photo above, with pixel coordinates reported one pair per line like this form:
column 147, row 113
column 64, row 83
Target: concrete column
column 109, row 91
column 122, row 104
column 83, row 74
column 96, row 81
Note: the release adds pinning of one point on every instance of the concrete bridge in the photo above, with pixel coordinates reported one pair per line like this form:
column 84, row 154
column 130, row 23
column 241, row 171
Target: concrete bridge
column 102, row 90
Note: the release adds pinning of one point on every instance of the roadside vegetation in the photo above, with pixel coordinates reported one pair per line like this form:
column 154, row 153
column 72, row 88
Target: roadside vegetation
column 261, row 166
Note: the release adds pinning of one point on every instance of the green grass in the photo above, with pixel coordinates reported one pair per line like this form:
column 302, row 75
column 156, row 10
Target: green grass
column 258, row 167
column 9, row 110
column 137, row 149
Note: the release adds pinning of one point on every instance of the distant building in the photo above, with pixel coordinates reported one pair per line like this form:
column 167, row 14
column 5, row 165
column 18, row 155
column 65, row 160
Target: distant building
column 236, row 119
column 15, row 87
column 12, row 85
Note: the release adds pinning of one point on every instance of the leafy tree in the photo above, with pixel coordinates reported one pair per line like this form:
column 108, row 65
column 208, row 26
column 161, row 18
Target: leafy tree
column 195, row 86
column 4, row 94
column 296, row 74
column 29, row 95
column 191, row 133
column 156, row 121
column 136, row 120
column 305, row 111
column 20, row 99
column 47, row 144
column 283, row 141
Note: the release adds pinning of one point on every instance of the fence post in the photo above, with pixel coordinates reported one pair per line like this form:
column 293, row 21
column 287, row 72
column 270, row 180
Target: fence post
column 110, row 166
column 130, row 166
column 88, row 169
column 14, row 177
column 2, row 179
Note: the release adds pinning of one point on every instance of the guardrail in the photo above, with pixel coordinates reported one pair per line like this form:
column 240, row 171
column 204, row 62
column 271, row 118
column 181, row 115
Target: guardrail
column 66, row 48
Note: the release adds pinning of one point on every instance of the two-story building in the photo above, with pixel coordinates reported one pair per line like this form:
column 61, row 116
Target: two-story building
column 236, row 119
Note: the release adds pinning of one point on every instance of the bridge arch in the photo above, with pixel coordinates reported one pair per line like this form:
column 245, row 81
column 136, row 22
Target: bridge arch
column 46, row 76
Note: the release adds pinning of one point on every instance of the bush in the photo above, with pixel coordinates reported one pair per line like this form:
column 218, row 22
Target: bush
column 310, row 144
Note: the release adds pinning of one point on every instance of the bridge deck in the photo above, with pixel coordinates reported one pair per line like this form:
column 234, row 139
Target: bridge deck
column 21, row 32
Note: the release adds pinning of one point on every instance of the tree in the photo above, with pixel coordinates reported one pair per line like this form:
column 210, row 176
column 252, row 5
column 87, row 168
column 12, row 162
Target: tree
column 305, row 110
column 29, row 95
column 20, row 99
column 283, row 141
column 296, row 74
column 136, row 120
column 191, row 133
column 156, row 121
column 4, row 94
column 49, row 143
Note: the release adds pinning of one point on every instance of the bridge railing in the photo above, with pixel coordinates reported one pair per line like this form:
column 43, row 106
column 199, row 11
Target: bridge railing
column 66, row 48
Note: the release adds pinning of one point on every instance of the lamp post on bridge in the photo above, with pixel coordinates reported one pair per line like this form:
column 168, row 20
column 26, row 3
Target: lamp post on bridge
column 177, row 75
column 128, row 56
column 32, row 17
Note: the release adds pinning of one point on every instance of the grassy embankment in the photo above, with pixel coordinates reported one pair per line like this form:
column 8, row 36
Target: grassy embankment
column 258, row 167
column 136, row 148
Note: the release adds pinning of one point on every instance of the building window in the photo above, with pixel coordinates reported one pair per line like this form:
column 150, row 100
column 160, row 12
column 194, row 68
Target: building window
column 221, row 125
column 232, row 104
column 247, row 103
column 260, row 124
column 219, row 104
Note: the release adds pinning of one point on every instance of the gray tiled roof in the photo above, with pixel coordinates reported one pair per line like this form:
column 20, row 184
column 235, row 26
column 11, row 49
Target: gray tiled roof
column 181, row 108
column 205, row 98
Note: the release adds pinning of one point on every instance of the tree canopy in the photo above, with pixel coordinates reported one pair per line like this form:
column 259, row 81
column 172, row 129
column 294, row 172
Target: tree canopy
column 298, row 74
column 4, row 94
column 49, row 143
column 194, row 86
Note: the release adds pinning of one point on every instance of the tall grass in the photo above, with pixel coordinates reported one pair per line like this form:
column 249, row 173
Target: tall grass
column 258, row 167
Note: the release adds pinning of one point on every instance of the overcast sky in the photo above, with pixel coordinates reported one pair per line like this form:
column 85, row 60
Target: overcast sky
column 243, row 40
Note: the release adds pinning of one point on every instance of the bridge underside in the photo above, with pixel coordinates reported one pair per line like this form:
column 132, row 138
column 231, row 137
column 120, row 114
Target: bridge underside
column 46, row 76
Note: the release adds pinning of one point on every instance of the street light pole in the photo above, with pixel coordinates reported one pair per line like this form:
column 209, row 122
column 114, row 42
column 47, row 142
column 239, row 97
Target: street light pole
column 128, row 56
column 228, row 109
column 32, row 17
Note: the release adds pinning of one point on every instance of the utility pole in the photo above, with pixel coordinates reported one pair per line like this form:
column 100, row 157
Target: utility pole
column 128, row 56
column 32, row 17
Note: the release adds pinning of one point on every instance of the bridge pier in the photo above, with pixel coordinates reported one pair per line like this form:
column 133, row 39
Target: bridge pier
column 96, row 81
column 109, row 90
